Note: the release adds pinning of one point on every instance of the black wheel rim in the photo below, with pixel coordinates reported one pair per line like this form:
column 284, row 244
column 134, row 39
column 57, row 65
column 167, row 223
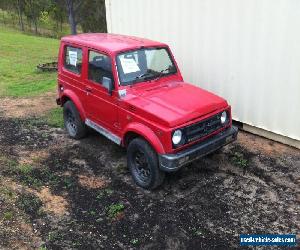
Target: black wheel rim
column 141, row 166
column 71, row 124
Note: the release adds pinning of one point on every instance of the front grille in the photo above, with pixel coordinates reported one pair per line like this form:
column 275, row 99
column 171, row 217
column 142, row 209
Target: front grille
column 200, row 129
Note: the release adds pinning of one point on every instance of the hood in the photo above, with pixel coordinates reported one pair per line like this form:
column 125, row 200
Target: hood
column 174, row 103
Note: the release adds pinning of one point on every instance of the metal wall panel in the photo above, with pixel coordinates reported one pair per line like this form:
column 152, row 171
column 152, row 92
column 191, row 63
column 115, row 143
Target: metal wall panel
column 247, row 51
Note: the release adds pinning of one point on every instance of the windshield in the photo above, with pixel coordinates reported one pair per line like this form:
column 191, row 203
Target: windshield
column 144, row 64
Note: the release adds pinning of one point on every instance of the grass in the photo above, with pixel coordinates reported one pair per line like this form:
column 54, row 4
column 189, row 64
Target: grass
column 115, row 209
column 7, row 163
column 8, row 215
column 30, row 204
column 239, row 160
column 25, row 169
column 7, row 193
column 30, row 176
column 26, row 174
column 20, row 54
column 54, row 118
column 104, row 193
column 134, row 241
column 54, row 236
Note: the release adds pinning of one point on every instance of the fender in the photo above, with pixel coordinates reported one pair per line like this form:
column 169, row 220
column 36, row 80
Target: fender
column 146, row 133
column 74, row 98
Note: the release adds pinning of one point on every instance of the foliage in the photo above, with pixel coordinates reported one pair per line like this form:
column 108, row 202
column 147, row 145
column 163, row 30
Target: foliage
column 38, row 15
column 47, row 26
column 95, row 17
column 45, row 17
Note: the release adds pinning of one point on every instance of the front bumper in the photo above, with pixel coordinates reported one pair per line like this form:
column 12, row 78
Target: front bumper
column 173, row 162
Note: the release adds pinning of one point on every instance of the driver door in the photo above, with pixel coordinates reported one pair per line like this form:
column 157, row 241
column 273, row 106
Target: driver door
column 101, row 107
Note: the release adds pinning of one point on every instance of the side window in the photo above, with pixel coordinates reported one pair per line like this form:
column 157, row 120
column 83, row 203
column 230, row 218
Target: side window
column 73, row 59
column 99, row 67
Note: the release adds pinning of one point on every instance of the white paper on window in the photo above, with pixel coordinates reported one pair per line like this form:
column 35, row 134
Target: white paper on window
column 73, row 57
column 129, row 65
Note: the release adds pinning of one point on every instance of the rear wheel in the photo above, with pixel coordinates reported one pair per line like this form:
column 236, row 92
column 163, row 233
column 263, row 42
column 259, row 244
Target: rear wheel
column 73, row 123
column 143, row 164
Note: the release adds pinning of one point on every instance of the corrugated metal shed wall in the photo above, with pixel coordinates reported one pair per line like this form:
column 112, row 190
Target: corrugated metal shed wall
column 245, row 50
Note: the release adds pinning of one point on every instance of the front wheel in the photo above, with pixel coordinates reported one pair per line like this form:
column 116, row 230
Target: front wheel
column 143, row 164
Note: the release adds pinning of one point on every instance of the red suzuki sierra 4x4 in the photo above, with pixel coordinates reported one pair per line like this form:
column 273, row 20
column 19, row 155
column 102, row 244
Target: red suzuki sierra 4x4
column 131, row 90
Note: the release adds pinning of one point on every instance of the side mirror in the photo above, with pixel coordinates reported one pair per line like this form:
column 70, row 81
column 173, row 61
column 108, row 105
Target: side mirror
column 108, row 84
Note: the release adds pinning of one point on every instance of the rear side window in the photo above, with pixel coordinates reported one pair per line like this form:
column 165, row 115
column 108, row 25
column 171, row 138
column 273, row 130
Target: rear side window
column 99, row 67
column 73, row 59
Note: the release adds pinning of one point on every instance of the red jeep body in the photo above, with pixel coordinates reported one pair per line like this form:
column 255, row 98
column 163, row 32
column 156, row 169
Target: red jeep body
column 151, row 107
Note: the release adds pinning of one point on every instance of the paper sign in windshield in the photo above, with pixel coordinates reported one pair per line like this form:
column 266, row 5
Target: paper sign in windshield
column 73, row 57
column 129, row 65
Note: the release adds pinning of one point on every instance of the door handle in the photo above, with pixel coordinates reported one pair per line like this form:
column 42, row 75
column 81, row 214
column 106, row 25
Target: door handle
column 88, row 90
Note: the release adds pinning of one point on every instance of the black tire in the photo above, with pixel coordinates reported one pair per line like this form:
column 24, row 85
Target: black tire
column 73, row 123
column 143, row 164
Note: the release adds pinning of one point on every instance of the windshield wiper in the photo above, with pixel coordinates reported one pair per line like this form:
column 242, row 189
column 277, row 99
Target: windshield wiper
column 150, row 73
column 161, row 73
column 144, row 75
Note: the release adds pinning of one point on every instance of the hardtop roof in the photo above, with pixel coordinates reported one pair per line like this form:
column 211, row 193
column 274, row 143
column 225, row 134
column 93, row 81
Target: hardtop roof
column 110, row 42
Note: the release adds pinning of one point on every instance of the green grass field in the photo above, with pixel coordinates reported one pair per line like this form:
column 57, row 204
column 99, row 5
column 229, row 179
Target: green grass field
column 19, row 56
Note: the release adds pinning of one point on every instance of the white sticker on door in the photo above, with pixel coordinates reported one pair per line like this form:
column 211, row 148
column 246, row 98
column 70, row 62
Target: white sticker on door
column 73, row 57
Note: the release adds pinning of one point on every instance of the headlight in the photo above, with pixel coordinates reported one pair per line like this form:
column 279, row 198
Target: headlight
column 224, row 117
column 177, row 136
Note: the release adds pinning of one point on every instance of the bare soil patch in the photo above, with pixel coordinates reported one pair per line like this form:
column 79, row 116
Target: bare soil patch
column 32, row 157
column 52, row 203
column 92, row 182
column 29, row 106
column 16, row 230
column 257, row 144
column 85, row 197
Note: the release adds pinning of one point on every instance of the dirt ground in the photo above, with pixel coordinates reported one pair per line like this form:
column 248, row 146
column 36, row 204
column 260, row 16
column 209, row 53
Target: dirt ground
column 58, row 193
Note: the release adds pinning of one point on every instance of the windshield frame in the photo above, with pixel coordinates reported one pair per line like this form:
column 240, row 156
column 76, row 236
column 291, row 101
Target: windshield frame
column 130, row 83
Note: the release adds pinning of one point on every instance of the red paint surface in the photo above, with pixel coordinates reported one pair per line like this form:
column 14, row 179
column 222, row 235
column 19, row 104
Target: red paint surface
column 151, row 109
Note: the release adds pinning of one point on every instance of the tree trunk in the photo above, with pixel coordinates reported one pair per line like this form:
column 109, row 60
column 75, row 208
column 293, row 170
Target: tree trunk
column 29, row 23
column 22, row 23
column 35, row 26
column 20, row 14
column 71, row 14
column 61, row 24
column 30, row 18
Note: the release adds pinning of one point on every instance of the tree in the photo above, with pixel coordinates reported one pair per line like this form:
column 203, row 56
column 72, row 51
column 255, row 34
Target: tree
column 58, row 14
column 93, row 16
column 32, row 11
column 73, row 7
column 90, row 14
column 19, row 5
